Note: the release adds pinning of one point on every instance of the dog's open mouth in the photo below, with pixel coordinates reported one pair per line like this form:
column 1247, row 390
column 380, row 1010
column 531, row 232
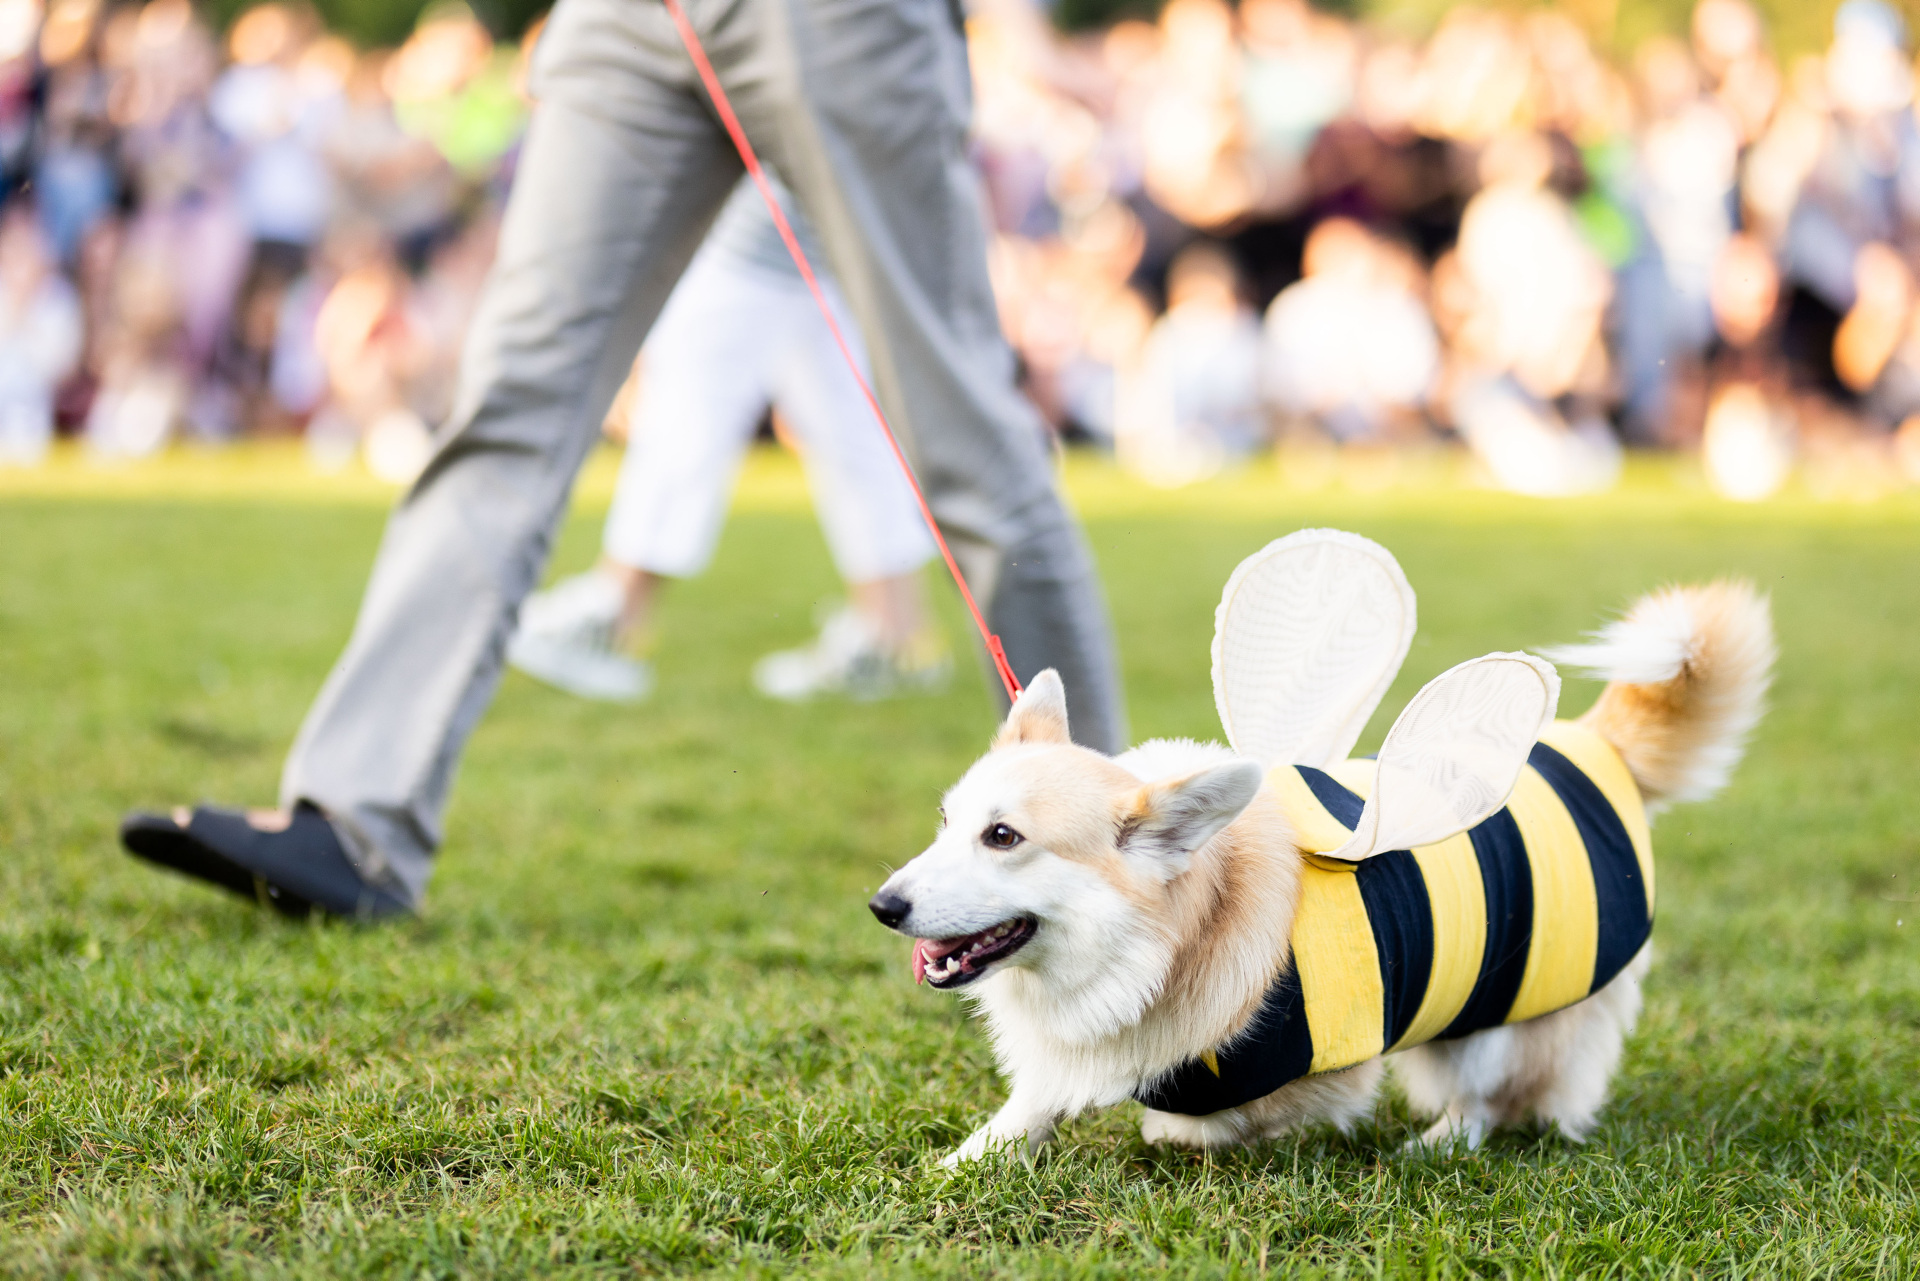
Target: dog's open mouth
column 948, row 963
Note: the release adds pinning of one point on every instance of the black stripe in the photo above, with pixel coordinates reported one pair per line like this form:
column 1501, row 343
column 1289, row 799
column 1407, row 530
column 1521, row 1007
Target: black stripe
column 1401, row 914
column 1508, row 880
column 1398, row 910
column 1619, row 890
column 1276, row 1048
column 1343, row 804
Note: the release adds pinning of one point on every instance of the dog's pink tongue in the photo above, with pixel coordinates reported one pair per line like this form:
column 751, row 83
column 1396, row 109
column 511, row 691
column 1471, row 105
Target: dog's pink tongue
column 919, row 961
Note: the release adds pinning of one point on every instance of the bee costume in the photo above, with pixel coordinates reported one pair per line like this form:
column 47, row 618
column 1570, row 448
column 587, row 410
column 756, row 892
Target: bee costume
column 1470, row 877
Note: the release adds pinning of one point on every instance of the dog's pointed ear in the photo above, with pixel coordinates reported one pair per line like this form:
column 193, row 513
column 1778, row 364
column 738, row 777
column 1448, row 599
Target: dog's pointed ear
column 1170, row 820
column 1039, row 715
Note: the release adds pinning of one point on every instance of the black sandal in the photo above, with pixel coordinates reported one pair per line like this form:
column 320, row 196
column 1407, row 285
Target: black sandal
column 296, row 871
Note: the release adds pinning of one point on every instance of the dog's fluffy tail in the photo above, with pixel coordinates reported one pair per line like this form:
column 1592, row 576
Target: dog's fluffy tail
column 1688, row 669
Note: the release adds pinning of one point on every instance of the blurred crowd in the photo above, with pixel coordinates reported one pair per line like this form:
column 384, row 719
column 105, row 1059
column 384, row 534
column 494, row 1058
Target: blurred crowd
column 1235, row 228
column 1224, row 231
column 269, row 231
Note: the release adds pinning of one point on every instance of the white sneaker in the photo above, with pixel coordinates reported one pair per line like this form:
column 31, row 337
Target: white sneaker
column 566, row 636
column 847, row 658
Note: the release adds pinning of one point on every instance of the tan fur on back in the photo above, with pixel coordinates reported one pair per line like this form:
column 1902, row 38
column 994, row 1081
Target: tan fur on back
column 1233, row 915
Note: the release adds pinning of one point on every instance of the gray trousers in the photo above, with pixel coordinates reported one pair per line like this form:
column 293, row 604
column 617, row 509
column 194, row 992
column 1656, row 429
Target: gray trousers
column 861, row 106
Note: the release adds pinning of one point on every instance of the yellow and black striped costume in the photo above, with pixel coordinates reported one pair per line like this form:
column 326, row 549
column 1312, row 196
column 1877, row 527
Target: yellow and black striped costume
column 1527, row 913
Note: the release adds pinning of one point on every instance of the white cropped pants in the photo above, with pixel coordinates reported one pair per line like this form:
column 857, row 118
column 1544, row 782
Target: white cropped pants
column 734, row 337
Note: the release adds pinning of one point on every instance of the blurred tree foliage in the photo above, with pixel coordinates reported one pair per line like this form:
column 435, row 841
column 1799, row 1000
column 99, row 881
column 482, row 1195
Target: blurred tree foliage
column 373, row 23
column 1797, row 26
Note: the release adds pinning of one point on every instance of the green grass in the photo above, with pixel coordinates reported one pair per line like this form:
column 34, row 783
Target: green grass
column 646, row 1024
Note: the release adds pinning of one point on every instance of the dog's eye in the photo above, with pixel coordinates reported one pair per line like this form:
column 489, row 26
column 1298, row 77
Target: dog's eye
column 1001, row 837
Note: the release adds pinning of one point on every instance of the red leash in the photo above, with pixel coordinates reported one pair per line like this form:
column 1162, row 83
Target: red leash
column 745, row 148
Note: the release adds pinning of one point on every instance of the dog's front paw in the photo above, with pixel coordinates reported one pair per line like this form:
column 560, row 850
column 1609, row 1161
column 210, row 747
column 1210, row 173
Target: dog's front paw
column 978, row 1144
column 989, row 1140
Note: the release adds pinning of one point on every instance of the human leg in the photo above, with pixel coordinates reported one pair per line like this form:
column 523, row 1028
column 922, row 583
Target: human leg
column 863, row 109
column 608, row 206
column 883, row 641
column 706, row 378
column 701, row 387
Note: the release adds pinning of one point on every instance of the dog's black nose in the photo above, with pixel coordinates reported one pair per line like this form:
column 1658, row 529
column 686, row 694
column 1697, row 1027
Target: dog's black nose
column 889, row 909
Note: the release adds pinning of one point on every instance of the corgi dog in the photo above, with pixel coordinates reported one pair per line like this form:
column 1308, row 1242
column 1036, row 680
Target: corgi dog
column 1132, row 927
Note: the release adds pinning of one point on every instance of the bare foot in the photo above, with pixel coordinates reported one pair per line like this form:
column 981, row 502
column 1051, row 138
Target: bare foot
column 258, row 820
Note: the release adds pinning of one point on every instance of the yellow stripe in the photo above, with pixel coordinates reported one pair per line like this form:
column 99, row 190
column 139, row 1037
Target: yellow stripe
column 1212, row 1061
column 1315, row 829
column 1566, row 918
column 1459, row 901
column 1340, row 985
column 1451, row 871
column 1594, row 756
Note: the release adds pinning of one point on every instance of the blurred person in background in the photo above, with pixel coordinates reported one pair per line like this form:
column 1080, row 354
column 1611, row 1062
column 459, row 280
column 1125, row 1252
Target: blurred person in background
column 141, row 354
column 442, row 300
column 1689, row 165
column 1856, row 210
column 275, row 102
column 1191, row 138
column 186, row 247
column 1350, row 347
column 455, row 89
column 1729, row 41
column 40, row 336
column 1747, row 440
column 1070, row 307
column 367, row 352
column 383, row 174
column 1524, row 294
column 1191, row 404
column 741, row 333
column 372, row 350
column 622, row 172
column 76, row 179
column 1298, row 72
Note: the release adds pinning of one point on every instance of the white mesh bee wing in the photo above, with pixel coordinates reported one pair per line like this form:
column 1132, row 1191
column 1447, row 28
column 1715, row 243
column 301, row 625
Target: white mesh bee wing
column 1311, row 630
column 1453, row 756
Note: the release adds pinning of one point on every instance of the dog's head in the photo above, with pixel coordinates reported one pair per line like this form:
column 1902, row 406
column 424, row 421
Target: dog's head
column 1055, row 859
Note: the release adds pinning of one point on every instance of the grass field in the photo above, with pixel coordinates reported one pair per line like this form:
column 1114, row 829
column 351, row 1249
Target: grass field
column 646, row 1024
